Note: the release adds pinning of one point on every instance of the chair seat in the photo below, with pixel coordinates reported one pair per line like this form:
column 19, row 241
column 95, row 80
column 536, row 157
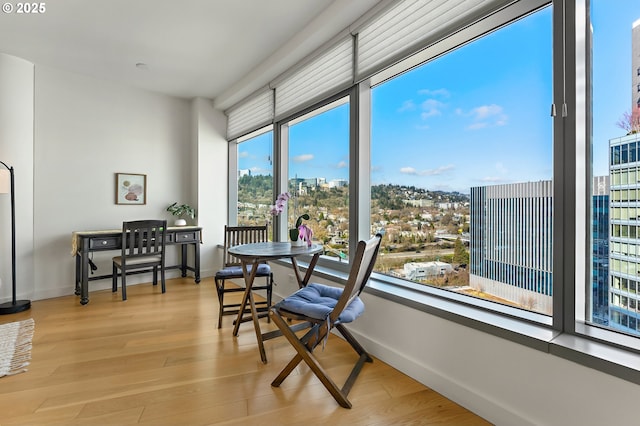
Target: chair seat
column 318, row 300
column 236, row 271
column 138, row 260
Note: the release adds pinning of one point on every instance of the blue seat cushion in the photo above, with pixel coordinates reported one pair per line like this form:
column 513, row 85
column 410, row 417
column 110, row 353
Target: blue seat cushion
column 236, row 271
column 318, row 300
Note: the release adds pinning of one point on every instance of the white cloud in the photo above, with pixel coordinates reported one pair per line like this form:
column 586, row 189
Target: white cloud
column 302, row 158
column 430, row 108
column 486, row 116
column 407, row 106
column 427, row 172
column 243, row 154
column 443, row 93
column 342, row 165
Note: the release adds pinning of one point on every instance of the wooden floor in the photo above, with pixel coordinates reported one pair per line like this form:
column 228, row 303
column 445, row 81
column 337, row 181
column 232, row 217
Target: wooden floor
column 160, row 360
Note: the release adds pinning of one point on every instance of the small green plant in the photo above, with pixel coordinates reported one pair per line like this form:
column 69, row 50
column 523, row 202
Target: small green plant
column 181, row 210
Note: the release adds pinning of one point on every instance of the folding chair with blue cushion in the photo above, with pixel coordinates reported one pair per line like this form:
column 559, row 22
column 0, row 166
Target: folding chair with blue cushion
column 326, row 307
column 232, row 269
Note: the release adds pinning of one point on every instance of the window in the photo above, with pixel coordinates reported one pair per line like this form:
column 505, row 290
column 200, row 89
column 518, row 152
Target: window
column 464, row 175
column 318, row 175
column 462, row 169
column 614, row 145
column 255, row 178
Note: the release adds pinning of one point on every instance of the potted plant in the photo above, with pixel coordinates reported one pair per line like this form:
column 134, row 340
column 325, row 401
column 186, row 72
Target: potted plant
column 300, row 233
column 179, row 210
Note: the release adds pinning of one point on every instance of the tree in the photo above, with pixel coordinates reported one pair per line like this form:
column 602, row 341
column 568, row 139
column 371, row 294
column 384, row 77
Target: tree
column 460, row 254
column 630, row 121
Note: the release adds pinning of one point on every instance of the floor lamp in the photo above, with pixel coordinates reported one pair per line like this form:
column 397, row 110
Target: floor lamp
column 6, row 187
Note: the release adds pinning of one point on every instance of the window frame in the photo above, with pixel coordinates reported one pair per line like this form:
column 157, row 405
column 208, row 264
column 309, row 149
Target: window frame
column 566, row 333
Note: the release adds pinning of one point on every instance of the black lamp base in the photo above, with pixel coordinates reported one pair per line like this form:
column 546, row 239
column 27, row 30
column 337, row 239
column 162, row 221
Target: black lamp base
column 13, row 308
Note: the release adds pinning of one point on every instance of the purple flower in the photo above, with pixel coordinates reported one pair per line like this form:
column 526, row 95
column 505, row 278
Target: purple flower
column 281, row 201
column 305, row 234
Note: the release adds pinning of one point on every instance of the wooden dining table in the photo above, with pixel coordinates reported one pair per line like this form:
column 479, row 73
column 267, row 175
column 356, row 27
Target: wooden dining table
column 251, row 255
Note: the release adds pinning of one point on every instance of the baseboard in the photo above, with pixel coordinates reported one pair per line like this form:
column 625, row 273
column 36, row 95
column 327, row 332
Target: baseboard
column 477, row 403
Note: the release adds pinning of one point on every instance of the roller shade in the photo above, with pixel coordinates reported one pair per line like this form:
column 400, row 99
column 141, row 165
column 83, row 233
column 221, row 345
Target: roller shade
column 410, row 25
column 326, row 74
column 254, row 112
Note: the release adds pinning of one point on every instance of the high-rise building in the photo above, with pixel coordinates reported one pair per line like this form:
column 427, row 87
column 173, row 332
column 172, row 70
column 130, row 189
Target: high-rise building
column 600, row 253
column 510, row 243
column 624, row 237
column 624, row 214
column 635, row 65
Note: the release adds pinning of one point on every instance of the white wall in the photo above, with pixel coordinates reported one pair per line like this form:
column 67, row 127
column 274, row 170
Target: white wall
column 502, row 381
column 16, row 150
column 86, row 130
column 209, row 129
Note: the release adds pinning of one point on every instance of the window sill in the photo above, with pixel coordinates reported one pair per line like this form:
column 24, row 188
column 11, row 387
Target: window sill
column 602, row 350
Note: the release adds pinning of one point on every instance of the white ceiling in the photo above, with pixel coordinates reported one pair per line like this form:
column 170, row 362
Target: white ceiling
column 217, row 49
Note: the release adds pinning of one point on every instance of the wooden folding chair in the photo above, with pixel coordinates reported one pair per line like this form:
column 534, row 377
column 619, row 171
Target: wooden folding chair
column 232, row 269
column 325, row 308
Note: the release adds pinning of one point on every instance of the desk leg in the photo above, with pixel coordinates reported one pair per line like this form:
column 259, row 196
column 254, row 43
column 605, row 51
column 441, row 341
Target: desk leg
column 196, row 261
column 84, row 285
column 248, row 296
column 183, row 263
column 78, row 274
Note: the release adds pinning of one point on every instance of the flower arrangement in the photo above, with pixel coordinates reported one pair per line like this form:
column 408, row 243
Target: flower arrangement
column 299, row 231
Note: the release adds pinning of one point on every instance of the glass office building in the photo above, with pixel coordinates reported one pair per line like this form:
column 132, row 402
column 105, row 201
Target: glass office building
column 511, row 243
column 600, row 246
column 624, row 243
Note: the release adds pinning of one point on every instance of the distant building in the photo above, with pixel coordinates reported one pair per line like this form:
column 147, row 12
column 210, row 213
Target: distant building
column 600, row 253
column 244, row 172
column 337, row 183
column 635, row 65
column 416, row 271
column 624, row 240
column 419, row 203
column 511, row 243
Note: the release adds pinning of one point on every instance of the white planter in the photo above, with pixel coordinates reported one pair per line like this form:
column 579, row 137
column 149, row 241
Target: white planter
column 180, row 222
column 298, row 243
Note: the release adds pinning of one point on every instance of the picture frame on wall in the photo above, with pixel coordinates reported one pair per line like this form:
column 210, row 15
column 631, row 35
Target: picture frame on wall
column 131, row 188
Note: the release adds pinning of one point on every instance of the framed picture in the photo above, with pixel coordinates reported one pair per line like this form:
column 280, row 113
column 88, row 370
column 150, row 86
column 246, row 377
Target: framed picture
column 131, row 188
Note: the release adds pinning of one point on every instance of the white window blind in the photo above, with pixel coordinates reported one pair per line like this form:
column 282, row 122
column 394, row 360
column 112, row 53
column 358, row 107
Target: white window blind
column 409, row 25
column 252, row 113
column 326, row 74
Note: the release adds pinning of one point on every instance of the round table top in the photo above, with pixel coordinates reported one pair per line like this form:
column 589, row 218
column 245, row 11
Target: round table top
column 273, row 250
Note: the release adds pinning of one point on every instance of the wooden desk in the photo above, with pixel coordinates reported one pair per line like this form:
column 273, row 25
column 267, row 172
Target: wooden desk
column 83, row 243
column 253, row 254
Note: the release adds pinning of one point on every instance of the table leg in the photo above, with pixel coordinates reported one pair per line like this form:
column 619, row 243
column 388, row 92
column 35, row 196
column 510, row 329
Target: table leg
column 302, row 282
column 196, row 261
column 248, row 296
column 256, row 326
column 78, row 274
column 183, row 263
column 84, row 285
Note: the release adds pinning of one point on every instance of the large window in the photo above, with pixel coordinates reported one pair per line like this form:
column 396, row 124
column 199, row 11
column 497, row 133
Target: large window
column 615, row 208
column 318, row 175
column 255, row 179
column 461, row 168
column 501, row 156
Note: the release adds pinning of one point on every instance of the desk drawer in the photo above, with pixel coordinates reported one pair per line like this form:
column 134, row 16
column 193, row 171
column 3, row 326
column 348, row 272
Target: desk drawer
column 105, row 243
column 187, row 237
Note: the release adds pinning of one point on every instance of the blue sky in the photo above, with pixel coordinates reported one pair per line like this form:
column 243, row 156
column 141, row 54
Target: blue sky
column 477, row 116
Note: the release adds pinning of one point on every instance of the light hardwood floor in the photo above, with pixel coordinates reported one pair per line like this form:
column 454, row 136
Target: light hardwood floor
column 160, row 360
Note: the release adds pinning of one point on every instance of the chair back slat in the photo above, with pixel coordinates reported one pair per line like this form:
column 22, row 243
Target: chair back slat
column 361, row 269
column 238, row 235
column 143, row 238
